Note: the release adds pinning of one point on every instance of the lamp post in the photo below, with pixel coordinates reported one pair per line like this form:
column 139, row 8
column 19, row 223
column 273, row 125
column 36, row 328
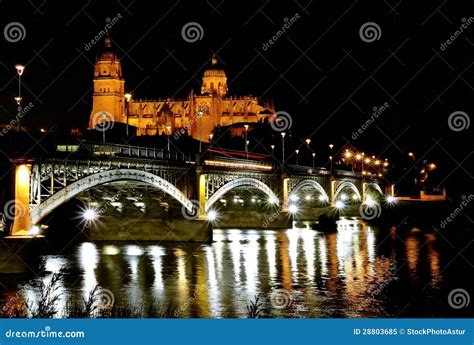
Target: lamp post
column 210, row 139
column 200, row 114
column 128, row 97
column 330, row 156
column 168, row 132
column 283, row 147
column 297, row 151
column 314, row 155
column 308, row 141
column 246, row 142
column 273, row 149
column 19, row 69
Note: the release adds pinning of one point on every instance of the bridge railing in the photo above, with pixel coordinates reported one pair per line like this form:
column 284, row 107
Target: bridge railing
column 121, row 150
column 309, row 170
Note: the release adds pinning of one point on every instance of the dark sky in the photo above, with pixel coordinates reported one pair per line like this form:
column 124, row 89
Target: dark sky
column 320, row 71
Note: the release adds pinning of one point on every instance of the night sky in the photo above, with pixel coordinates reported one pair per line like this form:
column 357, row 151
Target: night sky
column 320, row 71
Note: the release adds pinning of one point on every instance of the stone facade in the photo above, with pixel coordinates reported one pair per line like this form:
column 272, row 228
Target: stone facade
column 169, row 116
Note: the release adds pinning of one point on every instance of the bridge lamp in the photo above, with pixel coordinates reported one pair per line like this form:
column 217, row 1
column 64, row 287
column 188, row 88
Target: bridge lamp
column 272, row 200
column 307, row 197
column 339, row 205
column 293, row 209
column 391, row 199
column 370, row 202
column 90, row 215
column 355, row 197
column 294, row 198
column 343, row 197
column 212, row 215
column 35, row 230
column 323, row 198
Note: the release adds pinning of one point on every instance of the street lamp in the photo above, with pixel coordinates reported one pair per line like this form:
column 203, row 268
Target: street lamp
column 19, row 69
column 246, row 142
column 330, row 155
column 308, row 141
column 314, row 155
column 273, row 148
column 168, row 132
column 297, row 151
column 283, row 147
column 210, row 138
column 128, row 97
column 200, row 114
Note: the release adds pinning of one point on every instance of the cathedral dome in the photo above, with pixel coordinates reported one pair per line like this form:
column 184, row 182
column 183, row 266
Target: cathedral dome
column 214, row 80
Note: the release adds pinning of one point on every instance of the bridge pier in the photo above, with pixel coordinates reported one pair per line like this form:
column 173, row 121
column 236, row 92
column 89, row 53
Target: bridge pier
column 22, row 219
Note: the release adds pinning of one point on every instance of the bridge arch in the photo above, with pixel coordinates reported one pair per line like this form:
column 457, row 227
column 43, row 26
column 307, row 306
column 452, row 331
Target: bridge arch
column 70, row 191
column 347, row 184
column 374, row 186
column 240, row 182
column 308, row 183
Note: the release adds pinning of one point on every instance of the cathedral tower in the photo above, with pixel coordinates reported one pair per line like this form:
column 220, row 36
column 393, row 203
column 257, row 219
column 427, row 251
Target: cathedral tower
column 214, row 81
column 108, row 97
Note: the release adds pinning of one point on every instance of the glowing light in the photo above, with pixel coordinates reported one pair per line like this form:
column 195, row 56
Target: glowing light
column 410, row 154
column 134, row 250
column 307, row 197
column 294, row 198
column 237, row 165
column 35, row 230
column 308, row 141
column 293, row 209
column 391, row 199
column 20, row 69
column 90, row 215
column 370, row 202
column 367, row 160
column 212, row 215
column 110, row 250
column 343, row 197
column 358, row 156
column 432, row 166
column 355, row 197
column 272, row 200
column 348, row 154
column 339, row 204
column 128, row 97
column 323, row 198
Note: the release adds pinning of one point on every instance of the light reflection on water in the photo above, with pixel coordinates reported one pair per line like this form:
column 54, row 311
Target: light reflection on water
column 343, row 274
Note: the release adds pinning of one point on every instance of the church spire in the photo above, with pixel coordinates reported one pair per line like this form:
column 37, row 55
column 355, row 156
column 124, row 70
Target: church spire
column 107, row 40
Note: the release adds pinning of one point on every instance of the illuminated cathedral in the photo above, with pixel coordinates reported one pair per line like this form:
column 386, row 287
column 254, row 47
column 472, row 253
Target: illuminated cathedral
column 198, row 115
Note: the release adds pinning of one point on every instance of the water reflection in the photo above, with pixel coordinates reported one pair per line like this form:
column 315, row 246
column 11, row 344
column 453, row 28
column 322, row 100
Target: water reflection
column 343, row 274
